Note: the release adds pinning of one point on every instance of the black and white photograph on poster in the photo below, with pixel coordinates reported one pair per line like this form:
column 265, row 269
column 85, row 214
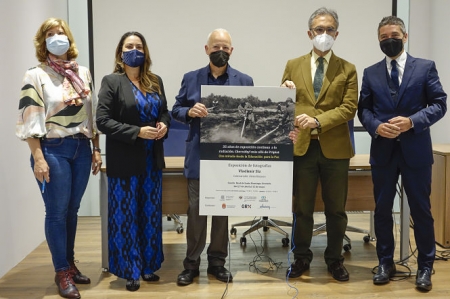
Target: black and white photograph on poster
column 245, row 152
column 263, row 116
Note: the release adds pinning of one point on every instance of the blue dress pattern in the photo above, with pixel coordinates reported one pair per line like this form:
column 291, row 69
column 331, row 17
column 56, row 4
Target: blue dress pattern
column 135, row 210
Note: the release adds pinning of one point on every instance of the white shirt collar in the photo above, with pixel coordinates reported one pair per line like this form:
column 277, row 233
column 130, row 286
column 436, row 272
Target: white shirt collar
column 401, row 60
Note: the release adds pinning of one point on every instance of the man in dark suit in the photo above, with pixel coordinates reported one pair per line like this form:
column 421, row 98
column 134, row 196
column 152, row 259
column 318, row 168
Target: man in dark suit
column 188, row 109
column 326, row 99
column 401, row 97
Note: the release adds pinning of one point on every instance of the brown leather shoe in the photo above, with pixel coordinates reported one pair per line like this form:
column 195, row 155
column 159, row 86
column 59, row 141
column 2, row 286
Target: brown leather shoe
column 338, row 271
column 297, row 268
column 77, row 276
column 66, row 286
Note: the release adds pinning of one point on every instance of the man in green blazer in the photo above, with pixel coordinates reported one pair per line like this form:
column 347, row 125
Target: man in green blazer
column 326, row 100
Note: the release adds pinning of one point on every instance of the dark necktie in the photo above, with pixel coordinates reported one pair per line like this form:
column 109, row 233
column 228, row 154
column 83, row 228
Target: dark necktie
column 318, row 78
column 394, row 74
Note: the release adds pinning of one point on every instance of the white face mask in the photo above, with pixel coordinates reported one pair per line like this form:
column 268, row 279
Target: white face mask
column 323, row 42
column 57, row 44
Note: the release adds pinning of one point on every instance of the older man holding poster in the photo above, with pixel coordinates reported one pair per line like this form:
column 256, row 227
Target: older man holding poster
column 189, row 110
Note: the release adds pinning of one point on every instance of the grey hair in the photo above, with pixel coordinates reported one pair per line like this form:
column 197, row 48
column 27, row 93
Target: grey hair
column 392, row 20
column 218, row 30
column 322, row 12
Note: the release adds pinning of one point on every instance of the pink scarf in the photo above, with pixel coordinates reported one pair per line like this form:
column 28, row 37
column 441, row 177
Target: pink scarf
column 69, row 70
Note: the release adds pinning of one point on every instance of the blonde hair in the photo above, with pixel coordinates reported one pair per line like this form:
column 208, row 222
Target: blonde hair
column 41, row 46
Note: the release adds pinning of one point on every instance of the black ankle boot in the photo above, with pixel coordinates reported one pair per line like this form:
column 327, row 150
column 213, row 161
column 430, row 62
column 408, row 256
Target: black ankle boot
column 133, row 285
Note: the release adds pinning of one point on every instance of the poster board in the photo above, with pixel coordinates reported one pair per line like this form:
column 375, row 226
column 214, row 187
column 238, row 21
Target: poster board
column 246, row 160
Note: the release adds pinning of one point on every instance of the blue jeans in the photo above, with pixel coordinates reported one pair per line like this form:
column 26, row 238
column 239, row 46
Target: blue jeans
column 70, row 163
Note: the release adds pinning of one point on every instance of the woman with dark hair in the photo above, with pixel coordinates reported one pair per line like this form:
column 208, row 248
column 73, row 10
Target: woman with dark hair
column 56, row 118
column 132, row 112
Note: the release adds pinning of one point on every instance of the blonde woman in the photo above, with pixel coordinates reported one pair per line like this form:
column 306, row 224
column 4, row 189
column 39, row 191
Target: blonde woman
column 56, row 119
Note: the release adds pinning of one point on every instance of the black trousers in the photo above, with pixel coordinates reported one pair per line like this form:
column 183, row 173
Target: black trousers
column 333, row 175
column 417, row 185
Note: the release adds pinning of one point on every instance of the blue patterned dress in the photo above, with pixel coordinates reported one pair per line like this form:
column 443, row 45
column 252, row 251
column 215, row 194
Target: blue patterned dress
column 135, row 210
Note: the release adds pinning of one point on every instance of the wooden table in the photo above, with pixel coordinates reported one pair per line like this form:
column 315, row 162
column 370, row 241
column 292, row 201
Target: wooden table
column 360, row 187
column 360, row 191
column 440, row 193
column 174, row 187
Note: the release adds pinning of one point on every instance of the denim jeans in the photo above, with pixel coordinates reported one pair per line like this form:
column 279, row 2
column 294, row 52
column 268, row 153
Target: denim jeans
column 69, row 161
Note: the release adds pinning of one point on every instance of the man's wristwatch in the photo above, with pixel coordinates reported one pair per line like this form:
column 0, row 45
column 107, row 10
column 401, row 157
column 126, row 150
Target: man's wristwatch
column 97, row 149
column 317, row 123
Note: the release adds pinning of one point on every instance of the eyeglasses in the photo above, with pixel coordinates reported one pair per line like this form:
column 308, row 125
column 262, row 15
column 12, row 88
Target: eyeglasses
column 321, row 30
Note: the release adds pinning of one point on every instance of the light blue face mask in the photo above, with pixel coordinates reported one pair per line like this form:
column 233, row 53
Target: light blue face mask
column 57, row 44
column 133, row 58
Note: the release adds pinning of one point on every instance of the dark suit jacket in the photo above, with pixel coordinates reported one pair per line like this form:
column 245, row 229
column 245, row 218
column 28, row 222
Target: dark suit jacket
column 118, row 118
column 420, row 98
column 335, row 106
column 190, row 93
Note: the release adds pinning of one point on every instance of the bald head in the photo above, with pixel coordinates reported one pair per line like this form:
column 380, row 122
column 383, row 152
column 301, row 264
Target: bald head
column 218, row 39
column 218, row 33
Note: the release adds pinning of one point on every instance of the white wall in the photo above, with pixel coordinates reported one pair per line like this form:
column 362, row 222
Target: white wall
column 265, row 33
column 78, row 22
column 428, row 39
column 21, row 206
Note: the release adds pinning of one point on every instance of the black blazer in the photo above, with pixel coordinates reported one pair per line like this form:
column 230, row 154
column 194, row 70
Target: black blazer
column 118, row 118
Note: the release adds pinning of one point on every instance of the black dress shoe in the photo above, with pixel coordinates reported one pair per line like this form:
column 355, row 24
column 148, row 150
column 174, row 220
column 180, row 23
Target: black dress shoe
column 338, row 271
column 297, row 268
column 221, row 273
column 133, row 285
column 187, row 277
column 423, row 280
column 384, row 273
column 150, row 277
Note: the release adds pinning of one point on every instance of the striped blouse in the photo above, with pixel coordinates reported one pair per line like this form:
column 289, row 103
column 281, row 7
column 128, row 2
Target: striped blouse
column 42, row 111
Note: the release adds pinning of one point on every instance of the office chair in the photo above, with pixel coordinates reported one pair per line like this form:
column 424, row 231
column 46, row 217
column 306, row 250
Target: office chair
column 264, row 222
column 176, row 218
column 321, row 228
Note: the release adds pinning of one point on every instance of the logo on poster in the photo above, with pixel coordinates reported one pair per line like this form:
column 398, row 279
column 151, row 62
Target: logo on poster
column 246, row 206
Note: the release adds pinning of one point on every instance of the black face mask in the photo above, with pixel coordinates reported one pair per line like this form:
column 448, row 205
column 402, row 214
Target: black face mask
column 391, row 46
column 219, row 58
